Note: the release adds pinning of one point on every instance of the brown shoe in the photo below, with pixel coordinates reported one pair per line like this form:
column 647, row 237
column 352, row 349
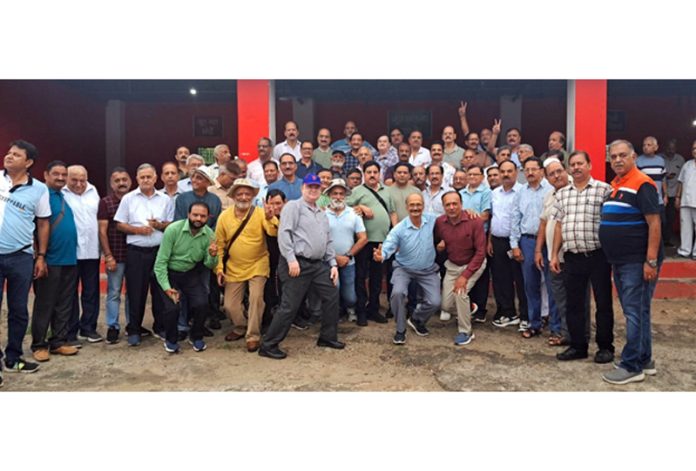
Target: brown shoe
column 41, row 355
column 232, row 336
column 66, row 350
column 252, row 345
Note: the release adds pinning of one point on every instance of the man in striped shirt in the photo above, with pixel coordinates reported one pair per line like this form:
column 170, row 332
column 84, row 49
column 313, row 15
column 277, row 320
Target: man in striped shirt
column 653, row 165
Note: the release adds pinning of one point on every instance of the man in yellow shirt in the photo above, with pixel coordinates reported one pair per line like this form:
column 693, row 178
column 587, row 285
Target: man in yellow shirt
column 245, row 262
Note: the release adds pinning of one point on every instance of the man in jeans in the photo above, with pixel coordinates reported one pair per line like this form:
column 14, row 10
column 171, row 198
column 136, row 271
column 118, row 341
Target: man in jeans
column 23, row 200
column 113, row 245
column 630, row 232
column 349, row 238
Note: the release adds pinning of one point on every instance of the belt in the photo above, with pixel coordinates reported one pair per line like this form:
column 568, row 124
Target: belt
column 500, row 238
column 143, row 249
column 530, row 236
column 311, row 260
column 582, row 254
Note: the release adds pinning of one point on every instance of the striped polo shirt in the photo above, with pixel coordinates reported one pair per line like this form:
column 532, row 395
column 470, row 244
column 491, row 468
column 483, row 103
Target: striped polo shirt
column 654, row 167
column 623, row 230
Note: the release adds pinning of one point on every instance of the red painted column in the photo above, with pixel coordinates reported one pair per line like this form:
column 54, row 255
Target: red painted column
column 253, row 115
column 591, row 122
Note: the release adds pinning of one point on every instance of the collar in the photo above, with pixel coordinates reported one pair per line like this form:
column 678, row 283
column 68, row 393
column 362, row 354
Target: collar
column 477, row 190
column 29, row 182
column 424, row 222
column 464, row 218
column 619, row 181
column 186, row 227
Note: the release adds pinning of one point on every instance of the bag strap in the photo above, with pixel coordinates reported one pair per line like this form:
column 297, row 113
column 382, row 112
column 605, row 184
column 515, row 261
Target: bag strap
column 236, row 234
column 381, row 201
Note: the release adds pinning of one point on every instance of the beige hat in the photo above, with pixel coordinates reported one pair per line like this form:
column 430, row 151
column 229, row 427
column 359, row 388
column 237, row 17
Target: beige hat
column 336, row 182
column 206, row 172
column 239, row 182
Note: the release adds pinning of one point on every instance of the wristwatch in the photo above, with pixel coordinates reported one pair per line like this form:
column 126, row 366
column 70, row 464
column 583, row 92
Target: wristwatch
column 652, row 263
column 349, row 255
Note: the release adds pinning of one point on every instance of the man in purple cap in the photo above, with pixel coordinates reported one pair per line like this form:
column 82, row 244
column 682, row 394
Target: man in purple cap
column 307, row 262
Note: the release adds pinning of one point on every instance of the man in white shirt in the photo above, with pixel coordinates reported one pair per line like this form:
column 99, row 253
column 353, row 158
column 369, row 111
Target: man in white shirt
column 419, row 154
column 222, row 155
column 83, row 199
column 291, row 144
column 192, row 163
column 255, row 167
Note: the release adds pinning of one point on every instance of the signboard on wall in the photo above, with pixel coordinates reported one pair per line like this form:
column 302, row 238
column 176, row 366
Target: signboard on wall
column 412, row 120
column 207, row 126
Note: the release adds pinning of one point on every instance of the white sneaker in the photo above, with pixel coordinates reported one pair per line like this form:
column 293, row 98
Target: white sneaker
column 351, row 315
column 524, row 325
column 445, row 316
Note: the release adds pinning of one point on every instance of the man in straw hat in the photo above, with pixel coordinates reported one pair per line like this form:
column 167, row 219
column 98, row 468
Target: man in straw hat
column 244, row 264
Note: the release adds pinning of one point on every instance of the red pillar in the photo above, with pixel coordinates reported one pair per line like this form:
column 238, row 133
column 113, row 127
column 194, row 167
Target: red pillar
column 591, row 122
column 253, row 115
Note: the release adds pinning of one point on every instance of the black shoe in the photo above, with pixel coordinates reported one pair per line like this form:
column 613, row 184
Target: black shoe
column 604, row 356
column 389, row 314
column 300, row 324
column 207, row 332
column 362, row 322
column 571, row 353
column 275, row 353
column 214, row 324
column 183, row 335
column 418, row 327
column 331, row 344
column 144, row 332
column 378, row 318
column 112, row 335
column 479, row 317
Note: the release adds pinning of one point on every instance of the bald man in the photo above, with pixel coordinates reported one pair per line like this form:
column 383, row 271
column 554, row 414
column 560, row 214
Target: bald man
column 83, row 199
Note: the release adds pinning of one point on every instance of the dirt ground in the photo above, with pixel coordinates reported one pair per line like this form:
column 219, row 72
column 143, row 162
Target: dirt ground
column 497, row 360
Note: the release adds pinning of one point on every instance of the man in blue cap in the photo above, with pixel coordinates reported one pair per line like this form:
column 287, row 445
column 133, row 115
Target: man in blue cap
column 307, row 262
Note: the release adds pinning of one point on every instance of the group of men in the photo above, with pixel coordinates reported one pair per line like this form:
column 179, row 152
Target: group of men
column 304, row 234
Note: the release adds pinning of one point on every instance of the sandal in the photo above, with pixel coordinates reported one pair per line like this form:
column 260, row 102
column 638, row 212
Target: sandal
column 557, row 341
column 529, row 333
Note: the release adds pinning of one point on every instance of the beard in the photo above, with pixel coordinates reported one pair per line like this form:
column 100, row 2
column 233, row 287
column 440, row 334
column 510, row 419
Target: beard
column 337, row 205
column 337, row 165
column 241, row 205
column 196, row 224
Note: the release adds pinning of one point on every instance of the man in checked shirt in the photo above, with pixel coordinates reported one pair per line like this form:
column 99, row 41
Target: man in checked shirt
column 578, row 207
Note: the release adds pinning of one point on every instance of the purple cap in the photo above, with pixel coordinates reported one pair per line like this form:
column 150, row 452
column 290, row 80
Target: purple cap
column 311, row 179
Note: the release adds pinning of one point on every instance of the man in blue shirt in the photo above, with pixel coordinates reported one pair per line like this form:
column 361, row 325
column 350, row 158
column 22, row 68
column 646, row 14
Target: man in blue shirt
column 412, row 242
column 52, row 305
column 23, row 200
column 290, row 184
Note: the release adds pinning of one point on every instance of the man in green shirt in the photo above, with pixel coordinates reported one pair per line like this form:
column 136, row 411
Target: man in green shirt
column 186, row 255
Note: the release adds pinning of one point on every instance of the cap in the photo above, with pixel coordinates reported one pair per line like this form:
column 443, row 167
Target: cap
column 206, row 172
column 337, row 151
column 311, row 179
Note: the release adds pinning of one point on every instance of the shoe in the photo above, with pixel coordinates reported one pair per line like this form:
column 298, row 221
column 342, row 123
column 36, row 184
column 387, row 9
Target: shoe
column 473, row 308
column 389, row 314
column 198, row 345
column 621, row 376
column 351, row 314
column 649, row 368
column 145, row 332
column 65, row 350
column 232, row 336
column 331, row 344
column 162, row 335
column 504, row 321
column 479, row 317
column 445, row 316
column 112, row 335
column 91, row 337
column 214, row 324
column 133, row 340
column 299, row 324
column 74, row 343
column 182, row 335
column 41, row 355
column 418, row 327
column 22, row 366
column 523, row 325
column 570, row 353
column 275, row 353
column 603, row 356
column 361, row 322
column 463, row 339
column 399, row 338
column 171, row 347
column 378, row 318
column 252, row 345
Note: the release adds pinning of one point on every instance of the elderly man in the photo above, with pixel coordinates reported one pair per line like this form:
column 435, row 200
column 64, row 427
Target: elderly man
column 52, row 305
column 349, row 237
column 306, row 165
column 404, row 153
column 386, row 154
column 180, row 156
column 291, row 144
column 419, row 154
column 222, row 155
column 685, row 202
column 290, row 184
column 459, row 180
column 170, row 179
column 113, row 245
column 255, row 167
column 464, row 239
column 412, row 242
column 401, row 189
column 556, row 146
column 527, row 206
column 452, row 152
column 24, row 208
column 322, row 154
column 345, row 144
column 186, row 255
column 579, row 205
column 374, row 203
column 241, row 236
column 357, row 141
column 307, row 252
column 201, row 179
column 630, row 233
column 222, row 184
column 673, row 165
column 83, row 198
column 653, row 165
column 433, row 192
column 338, row 162
column 143, row 214
column 192, row 163
column 419, row 177
column 436, row 154
column 493, row 177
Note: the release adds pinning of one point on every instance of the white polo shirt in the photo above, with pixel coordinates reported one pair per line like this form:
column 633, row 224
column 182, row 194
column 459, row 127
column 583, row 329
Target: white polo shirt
column 422, row 157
